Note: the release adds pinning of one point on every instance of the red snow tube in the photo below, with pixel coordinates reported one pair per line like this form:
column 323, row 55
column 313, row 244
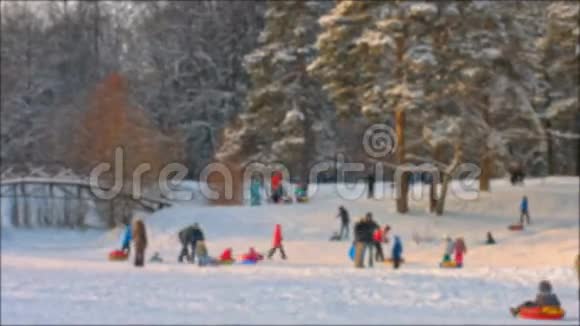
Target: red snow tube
column 543, row 313
column 516, row 227
column 118, row 255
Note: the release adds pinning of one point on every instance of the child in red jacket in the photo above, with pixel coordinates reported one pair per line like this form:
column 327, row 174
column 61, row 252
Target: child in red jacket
column 277, row 242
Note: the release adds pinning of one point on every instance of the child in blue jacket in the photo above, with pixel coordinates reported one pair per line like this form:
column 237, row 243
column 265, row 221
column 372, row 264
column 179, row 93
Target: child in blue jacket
column 397, row 252
column 126, row 238
column 524, row 211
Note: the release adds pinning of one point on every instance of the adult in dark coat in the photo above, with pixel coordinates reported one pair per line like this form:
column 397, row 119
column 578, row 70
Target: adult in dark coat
column 371, row 185
column 344, row 222
column 140, row 242
column 364, row 230
column 189, row 237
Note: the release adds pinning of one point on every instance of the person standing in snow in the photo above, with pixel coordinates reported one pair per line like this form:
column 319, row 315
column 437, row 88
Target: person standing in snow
column 397, row 252
column 378, row 239
column 140, row 239
column 371, row 185
column 255, row 197
column 344, row 222
column 364, row 240
column 460, row 251
column 449, row 248
column 524, row 211
column 490, row 240
column 276, row 186
column 277, row 242
column 126, row 239
column 189, row 237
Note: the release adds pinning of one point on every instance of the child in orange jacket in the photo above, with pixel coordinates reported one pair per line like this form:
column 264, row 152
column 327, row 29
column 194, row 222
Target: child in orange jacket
column 277, row 242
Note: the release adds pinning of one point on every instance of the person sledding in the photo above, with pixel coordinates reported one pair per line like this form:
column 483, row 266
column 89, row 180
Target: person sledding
column 277, row 191
column 277, row 243
column 460, row 251
column 397, row 252
column 189, row 236
column 490, row 240
column 203, row 257
column 545, row 298
column 251, row 256
column 300, row 193
column 227, row 257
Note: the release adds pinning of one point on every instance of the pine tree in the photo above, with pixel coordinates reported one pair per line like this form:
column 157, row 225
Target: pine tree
column 286, row 118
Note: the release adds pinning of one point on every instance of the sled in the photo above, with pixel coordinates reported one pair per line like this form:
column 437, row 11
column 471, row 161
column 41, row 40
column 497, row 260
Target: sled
column 390, row 261
column 227, row 262
column 118, row 255
column 249, row 262
column 302, row 199
column 542, row 313
column 449, row 264
column 516, row 227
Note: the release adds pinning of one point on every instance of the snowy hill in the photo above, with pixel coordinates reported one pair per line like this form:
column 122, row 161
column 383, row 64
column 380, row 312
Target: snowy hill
column 51, row 276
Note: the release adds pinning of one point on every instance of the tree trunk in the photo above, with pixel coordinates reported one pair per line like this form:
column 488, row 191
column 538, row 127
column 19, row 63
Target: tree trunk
column 403, row 183
column 434, row 182
column 487, row 160
column 448, row 177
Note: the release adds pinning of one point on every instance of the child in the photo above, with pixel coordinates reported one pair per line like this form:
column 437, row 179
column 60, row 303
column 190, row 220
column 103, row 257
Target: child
column 460, row 251
column 156, row 258
column 203, row 258
column 255, row 192
column 252, row 255
column 524, row 211
column 227, row 257
column 449, row 247
column 386, row 233
column 490, row 240
column 277, row 242
column 300, row 193
column 126, row 239
column 397, row 252
column 544, row 298
column 139, row 236
column 378, row 239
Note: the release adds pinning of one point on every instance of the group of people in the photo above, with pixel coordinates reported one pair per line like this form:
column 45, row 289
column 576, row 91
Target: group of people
column 369, row 236
column 456, row 249
column 278, row 193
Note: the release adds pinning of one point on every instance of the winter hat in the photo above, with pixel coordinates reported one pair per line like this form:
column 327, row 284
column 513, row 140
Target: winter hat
column 545, row 287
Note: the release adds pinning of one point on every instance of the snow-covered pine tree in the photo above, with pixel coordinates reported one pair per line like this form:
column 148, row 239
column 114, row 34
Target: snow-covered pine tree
column 287, row 120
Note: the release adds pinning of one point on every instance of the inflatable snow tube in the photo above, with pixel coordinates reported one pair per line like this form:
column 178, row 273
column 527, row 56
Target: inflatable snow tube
column 542, row 313
column 516, row 227
column 118, row 255
column 248, row 262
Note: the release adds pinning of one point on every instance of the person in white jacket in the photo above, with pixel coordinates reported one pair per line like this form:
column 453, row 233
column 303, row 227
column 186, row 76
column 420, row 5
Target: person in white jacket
column 449, row 247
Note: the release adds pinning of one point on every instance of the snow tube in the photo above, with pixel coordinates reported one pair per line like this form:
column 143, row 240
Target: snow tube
column 516, row 227
column 248, row 262
column 118, row 255
column 351, row 252
column 543, row 313
column 449, row 264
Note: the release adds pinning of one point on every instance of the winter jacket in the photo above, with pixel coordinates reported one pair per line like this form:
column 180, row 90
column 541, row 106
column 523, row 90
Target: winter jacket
column 547, row 299
column 363, row 231
column 139, row 235
column 226, row 255
column 201, row 249
column 277, row 240
column 276, row 180
column 343, row 214
column 449, row 247
column 524, row 205
column 190, row 234
column 378, row 235
column 460, row 246
column 252, row 255
column 255, row 189
column 397, row 248
column 126, row 236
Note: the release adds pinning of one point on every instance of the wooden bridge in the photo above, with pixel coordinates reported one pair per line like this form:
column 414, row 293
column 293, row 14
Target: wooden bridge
column 62, row 198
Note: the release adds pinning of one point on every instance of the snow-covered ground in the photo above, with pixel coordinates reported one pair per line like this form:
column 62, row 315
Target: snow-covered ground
column 63, row 277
